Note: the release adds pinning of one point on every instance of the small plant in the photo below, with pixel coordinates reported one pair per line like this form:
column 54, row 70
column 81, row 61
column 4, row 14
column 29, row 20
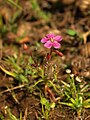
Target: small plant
column 75, row 96
column 18, row 73
column 40, row 72
column 51, row 42
column 37, row 74
column 46, row 106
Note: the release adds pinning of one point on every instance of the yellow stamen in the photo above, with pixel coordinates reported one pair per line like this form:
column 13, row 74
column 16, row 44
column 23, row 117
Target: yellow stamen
column 52, row 40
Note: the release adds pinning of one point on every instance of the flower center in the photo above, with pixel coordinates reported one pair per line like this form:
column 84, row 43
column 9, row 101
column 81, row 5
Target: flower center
column 52, row 40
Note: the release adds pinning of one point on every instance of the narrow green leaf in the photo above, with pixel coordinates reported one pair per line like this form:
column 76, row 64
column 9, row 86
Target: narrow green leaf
column 37, row 83
column 73, row 101
column 86, row 101
column 84, row 88
column 71, row 32
column 68, row 104
column 87, row 106
column 8, row 72
column 66, row 84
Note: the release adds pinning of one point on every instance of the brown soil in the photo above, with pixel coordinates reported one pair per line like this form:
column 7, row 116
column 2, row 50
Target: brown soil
column 63, row 16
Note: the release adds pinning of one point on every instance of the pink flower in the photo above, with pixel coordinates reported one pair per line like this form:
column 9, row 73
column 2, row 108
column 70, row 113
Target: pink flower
column 50, row 40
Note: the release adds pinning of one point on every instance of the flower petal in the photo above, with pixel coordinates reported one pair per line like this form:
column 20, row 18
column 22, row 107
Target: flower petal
column 44, row 40
column 56, row 44
column 48, row 44
column 51, row 35
column 57, row 38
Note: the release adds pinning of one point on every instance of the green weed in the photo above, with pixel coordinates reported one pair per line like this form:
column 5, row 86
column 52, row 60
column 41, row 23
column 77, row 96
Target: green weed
column 75, row 96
